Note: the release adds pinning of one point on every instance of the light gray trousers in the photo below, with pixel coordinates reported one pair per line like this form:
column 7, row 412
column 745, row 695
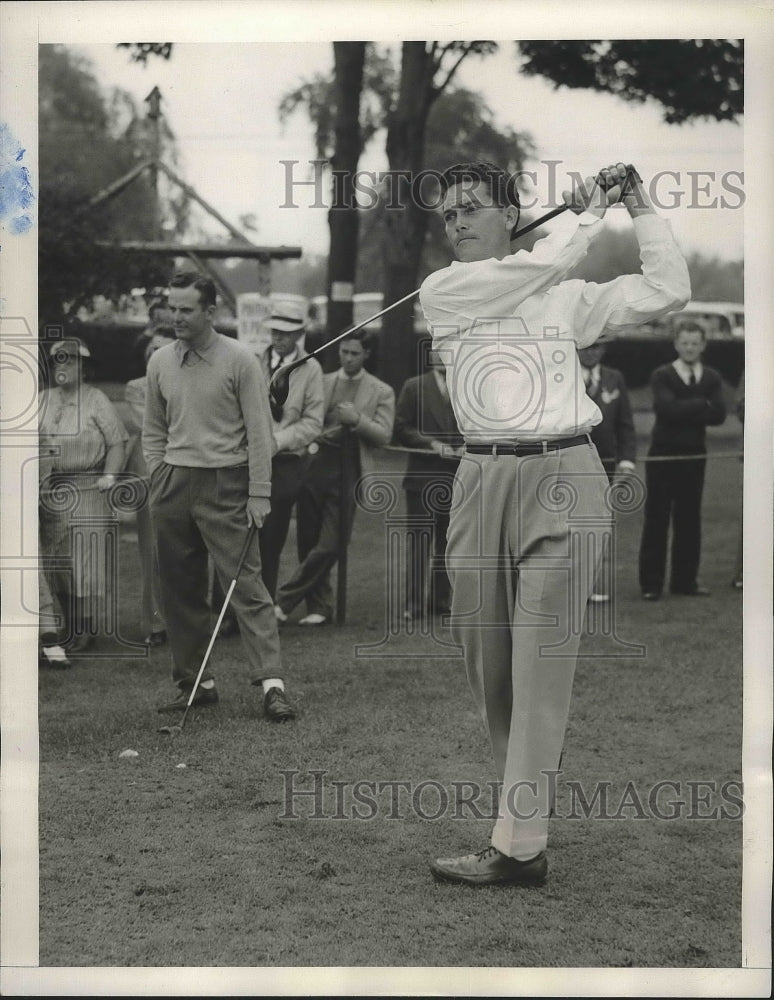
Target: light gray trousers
column 524, row 543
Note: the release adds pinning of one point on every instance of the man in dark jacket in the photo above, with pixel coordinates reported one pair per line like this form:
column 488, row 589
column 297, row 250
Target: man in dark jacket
column 687, row 398
column 424, row 419
column 614, row 437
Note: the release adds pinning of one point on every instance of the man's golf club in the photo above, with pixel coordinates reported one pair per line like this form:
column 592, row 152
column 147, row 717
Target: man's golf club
column 176, row 730
column 280, row 381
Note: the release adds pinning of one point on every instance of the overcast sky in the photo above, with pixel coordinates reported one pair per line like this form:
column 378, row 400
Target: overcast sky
column 221, row 102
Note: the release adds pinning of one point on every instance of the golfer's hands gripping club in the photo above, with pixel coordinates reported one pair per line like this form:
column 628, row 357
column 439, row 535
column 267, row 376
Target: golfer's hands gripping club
column 618, row 182
column 258, row 509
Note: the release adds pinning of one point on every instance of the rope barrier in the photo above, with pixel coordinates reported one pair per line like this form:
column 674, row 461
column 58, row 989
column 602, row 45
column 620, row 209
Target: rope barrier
column 644, row 458
column 125, row 479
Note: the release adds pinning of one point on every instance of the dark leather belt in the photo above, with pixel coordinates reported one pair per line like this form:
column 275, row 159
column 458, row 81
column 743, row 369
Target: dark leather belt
column 527, row 448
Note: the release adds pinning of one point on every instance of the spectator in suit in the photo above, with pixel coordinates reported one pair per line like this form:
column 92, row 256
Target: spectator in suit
column 424, row 419
column 295, row 425
column 614, row 436
column 687, row 398
column 359, row 414
column 153, row 626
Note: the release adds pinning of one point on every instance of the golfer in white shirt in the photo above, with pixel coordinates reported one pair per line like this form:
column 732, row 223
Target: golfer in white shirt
column 530, row 506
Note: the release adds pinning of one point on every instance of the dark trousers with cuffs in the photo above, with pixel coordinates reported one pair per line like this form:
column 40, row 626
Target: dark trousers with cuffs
column 196, row 513
column 425, row 565
column 320, row 505
column 287, row 476
column 674, row 492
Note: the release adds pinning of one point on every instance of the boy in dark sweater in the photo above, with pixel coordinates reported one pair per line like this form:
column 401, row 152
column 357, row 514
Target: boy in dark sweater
column 687, row 397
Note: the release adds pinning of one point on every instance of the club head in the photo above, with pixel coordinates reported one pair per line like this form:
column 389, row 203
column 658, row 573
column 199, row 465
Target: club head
column 170, row 730
column 280, row 386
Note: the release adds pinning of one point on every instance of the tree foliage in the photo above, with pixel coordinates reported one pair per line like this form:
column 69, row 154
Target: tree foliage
column 140, row 52
column 690, row 78
column 88, row 140
column 316, row 97
column 461, row 126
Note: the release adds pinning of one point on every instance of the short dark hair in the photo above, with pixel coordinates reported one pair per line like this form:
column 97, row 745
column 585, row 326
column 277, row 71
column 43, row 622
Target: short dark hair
column 690, row 326
column 501, row 186
column 204, row 286
column 364, row 337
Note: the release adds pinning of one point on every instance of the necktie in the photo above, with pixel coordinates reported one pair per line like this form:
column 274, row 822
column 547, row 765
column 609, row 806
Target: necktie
column 276, row 408
column 692, row 379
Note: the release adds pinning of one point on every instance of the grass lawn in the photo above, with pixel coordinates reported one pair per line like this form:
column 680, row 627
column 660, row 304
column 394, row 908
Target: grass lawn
column 146, row 862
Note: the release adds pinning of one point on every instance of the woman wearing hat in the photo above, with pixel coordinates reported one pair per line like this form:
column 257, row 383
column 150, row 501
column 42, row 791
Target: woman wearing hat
column 82, row 444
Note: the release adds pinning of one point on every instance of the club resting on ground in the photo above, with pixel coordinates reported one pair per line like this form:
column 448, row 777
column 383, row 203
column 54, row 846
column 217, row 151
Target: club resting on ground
column 280, row 381
column 174, row 730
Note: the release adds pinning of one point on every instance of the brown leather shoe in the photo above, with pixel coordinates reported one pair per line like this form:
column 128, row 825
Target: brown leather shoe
column 491, row 867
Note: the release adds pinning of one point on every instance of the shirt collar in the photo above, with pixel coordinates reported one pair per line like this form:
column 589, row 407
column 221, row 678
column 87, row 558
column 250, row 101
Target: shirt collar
column 685, row 371
column 346, row 378
column 205, row 353
column 275, row 360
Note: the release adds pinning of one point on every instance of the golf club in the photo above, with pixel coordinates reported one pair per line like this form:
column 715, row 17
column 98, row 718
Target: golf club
column 280, row 381
column 176, row 730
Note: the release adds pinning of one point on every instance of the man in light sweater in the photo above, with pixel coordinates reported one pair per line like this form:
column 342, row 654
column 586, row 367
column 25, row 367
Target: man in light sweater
column 207, row 442
column 529, row 514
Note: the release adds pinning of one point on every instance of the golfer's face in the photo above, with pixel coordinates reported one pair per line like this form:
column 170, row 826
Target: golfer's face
column 190, row 320
column 476, row 227
column 352, row 356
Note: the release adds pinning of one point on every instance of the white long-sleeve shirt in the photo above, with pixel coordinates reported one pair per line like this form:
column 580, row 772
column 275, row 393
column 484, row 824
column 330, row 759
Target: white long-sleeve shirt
column 507, row 330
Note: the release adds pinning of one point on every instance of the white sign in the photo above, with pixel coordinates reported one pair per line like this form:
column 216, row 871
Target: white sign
column 253, row 309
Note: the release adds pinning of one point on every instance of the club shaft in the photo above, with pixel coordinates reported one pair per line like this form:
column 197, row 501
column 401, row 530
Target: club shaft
column 287, row 369
column 213, row 637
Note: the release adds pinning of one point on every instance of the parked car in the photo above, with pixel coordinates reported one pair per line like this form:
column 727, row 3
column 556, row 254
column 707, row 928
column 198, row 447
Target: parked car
column 721, row 321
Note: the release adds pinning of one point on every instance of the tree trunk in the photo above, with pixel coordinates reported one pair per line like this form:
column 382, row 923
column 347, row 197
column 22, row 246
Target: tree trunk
column 405, row 227
column 343, row 219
